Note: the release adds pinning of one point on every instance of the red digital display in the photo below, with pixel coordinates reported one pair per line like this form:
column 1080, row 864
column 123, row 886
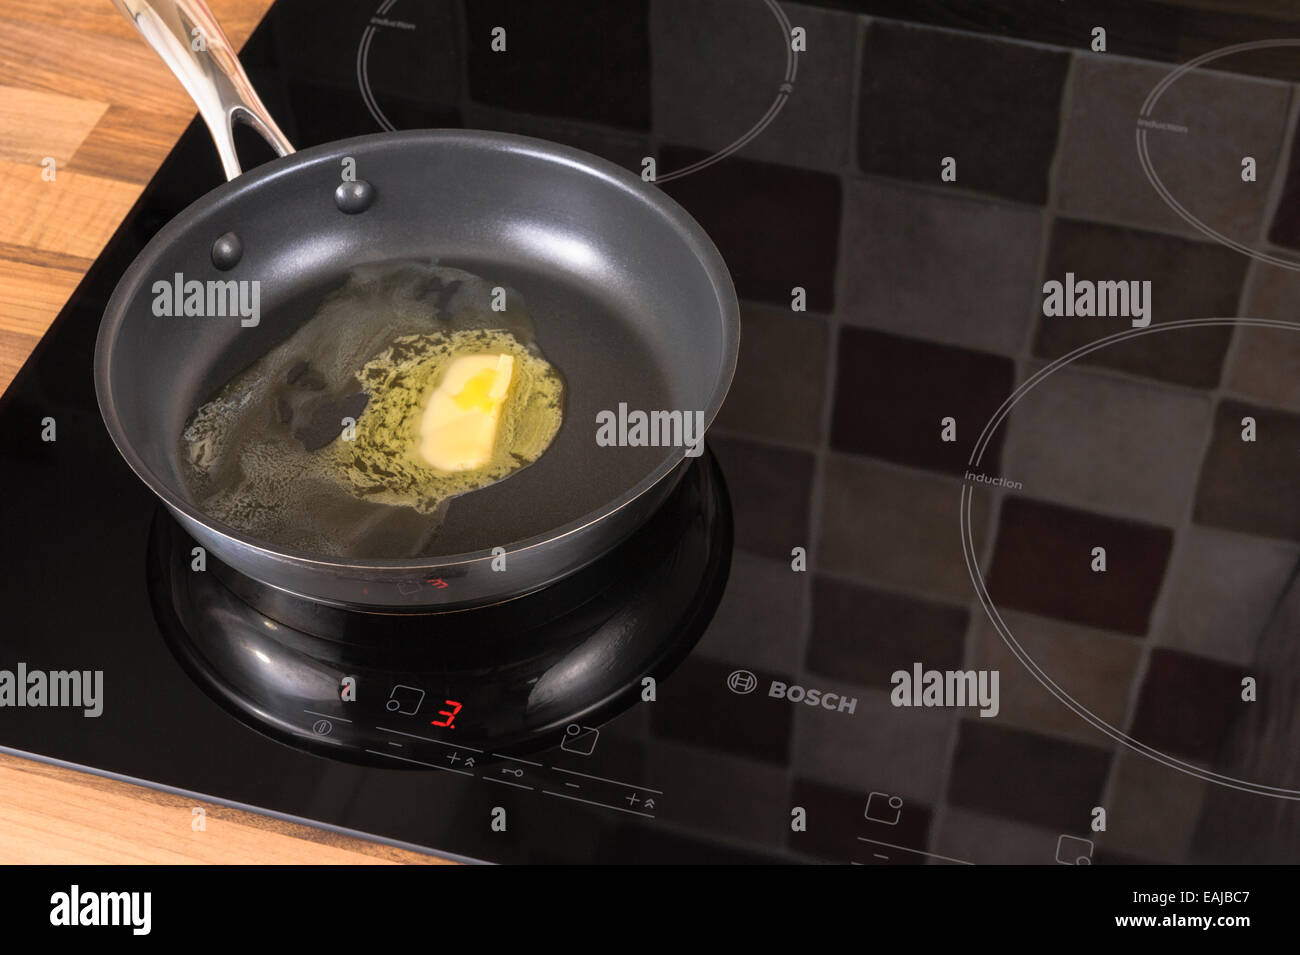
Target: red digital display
column 449, row 714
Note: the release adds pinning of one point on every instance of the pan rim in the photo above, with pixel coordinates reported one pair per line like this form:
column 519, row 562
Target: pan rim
column 263, row 176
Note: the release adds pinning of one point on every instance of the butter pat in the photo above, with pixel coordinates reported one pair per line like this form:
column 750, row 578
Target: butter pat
column 459, row 425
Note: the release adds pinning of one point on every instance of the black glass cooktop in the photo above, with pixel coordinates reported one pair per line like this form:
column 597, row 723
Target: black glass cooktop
column 978, row 569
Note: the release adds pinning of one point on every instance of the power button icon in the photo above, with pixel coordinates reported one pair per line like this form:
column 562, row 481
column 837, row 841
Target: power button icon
column 742, row 682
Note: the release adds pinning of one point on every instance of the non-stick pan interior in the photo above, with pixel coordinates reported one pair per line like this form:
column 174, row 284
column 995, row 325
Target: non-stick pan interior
column 623, row 287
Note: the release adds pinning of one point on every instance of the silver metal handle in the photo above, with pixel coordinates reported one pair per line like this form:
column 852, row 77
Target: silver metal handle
column 192, row 44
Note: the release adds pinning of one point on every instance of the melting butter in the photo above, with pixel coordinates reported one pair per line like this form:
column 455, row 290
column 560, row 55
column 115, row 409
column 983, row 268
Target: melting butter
column 459, row 425
column 448, row 415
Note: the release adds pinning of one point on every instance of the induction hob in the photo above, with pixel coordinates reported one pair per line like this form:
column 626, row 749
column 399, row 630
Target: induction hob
column 1111, row 562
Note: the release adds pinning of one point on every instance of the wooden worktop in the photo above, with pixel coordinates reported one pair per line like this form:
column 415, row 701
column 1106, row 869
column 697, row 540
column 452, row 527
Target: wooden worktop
column 80, row 87
column 49, row 814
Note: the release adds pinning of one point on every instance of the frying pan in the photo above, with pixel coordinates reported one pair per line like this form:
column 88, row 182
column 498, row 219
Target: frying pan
column 631, row 301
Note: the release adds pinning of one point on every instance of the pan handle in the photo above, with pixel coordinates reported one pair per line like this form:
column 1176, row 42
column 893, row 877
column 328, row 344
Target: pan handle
column 192, row 44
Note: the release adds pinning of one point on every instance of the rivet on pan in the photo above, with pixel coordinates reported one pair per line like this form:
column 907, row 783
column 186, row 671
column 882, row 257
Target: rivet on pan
column 226, row 251
column 355, row 196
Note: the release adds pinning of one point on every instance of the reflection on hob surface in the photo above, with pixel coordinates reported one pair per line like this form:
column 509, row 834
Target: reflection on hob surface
column 1120, row 547
column 415, row 689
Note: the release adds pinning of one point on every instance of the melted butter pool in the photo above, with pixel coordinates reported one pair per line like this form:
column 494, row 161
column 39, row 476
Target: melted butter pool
column 299, row 447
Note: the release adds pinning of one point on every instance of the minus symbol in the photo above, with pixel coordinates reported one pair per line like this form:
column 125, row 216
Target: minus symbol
column 574, row 785
column 879, row 856
column 391, row 743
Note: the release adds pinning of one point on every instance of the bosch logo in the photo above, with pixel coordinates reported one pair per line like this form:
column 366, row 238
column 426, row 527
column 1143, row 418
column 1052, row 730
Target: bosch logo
column 797, row 694
column 742, row 682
